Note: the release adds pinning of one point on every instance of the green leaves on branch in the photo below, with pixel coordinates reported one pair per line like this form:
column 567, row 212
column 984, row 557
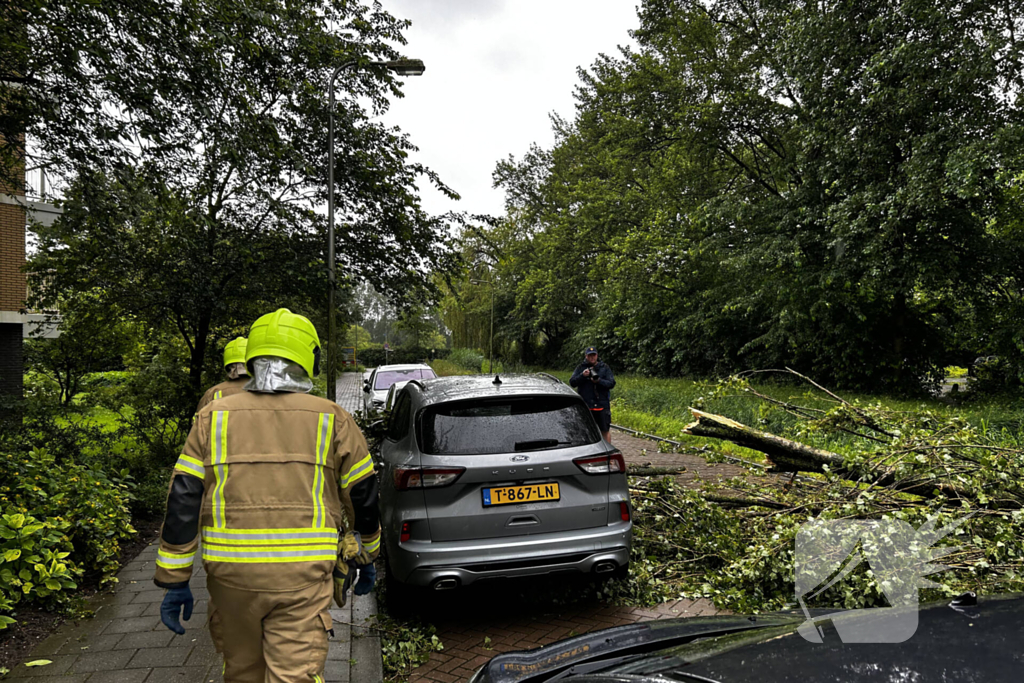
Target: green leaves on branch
column 736, row 192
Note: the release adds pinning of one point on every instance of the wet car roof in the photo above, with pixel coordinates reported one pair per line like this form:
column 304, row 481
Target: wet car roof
column 480, row 386
column 972, row 642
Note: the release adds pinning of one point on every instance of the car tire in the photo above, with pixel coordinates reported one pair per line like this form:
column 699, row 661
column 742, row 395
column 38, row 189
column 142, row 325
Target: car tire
column 400, row 598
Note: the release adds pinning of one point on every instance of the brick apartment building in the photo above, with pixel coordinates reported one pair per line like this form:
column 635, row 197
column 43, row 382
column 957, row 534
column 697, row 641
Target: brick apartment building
column 16, row 323
column 12, row 288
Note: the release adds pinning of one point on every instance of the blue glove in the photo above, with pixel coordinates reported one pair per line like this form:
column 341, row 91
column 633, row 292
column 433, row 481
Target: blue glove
column 367, row 577
column 175, row 599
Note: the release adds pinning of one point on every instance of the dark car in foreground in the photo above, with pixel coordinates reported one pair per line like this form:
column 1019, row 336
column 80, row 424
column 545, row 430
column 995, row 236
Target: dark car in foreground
column 967, row 640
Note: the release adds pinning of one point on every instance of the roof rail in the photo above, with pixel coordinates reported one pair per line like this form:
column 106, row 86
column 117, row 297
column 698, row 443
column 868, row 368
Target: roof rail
column 550, row 376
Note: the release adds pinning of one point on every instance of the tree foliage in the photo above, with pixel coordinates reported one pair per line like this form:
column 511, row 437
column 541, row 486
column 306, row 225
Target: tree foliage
column 205, row 214
column 739, row 192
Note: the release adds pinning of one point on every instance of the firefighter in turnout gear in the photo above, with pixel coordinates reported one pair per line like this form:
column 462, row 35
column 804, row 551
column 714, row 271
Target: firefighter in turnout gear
column 280, row 488
column 234, row 368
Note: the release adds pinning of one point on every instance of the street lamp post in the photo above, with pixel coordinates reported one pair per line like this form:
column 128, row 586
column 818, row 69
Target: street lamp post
column 402, row 67
column 490, row 352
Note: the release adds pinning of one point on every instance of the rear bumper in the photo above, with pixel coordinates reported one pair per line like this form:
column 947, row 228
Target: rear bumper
column 421, row 563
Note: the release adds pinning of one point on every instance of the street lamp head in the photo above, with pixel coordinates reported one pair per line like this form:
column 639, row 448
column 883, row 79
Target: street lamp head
column 406, row 67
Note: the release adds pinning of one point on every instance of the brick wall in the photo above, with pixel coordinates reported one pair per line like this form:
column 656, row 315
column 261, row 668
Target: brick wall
column 12, row 290
column 11, row 360
column 12, row 255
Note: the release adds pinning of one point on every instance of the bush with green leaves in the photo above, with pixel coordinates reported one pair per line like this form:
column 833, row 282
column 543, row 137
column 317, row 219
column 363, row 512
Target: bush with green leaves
column 34, row 564
column 93, row 505
column 469, row 359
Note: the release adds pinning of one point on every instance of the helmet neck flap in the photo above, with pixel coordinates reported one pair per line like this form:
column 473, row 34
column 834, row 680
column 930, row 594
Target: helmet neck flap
column 272, row 374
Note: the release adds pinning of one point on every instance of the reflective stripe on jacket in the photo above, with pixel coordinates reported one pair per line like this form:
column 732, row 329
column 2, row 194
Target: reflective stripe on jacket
column 267, row 482
column 222, row 390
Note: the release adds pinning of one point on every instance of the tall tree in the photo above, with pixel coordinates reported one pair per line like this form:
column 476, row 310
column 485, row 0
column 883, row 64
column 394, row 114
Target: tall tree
column 208, row 213
column 752, row 194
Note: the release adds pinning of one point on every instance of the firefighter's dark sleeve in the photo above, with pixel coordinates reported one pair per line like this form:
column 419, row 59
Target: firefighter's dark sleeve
column 179, row 537
column 358, row 483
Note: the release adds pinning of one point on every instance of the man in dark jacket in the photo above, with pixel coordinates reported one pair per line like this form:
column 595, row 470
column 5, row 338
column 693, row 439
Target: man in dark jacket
column 594, row 382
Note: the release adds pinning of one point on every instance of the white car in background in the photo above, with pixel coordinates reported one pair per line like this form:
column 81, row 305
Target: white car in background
column 375, row 388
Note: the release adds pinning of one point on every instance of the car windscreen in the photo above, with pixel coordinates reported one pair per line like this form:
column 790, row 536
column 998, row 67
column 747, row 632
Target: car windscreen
column 506, row 425
column 385, row 378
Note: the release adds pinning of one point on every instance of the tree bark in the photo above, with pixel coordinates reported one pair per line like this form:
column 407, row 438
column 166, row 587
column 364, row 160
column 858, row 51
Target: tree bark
column 784, row 455
column 195, row 369
column 791, row 456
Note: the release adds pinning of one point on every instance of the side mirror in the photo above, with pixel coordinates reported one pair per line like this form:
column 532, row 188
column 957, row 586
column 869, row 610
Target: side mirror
column 366, row 387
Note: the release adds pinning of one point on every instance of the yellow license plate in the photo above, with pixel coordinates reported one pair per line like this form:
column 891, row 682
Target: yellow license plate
column 530, row 493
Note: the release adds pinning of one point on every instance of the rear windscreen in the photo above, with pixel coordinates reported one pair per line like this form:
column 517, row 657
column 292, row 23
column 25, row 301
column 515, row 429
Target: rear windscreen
column 385, row 378
column 506, row 425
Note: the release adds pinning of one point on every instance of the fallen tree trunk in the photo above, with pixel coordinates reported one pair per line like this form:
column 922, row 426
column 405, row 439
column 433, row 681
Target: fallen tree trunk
column 791, row 456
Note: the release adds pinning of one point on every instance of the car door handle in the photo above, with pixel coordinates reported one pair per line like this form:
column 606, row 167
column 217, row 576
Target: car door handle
column 522, row 520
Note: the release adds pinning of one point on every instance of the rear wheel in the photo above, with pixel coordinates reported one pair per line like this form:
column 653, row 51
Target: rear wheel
column 401, row 599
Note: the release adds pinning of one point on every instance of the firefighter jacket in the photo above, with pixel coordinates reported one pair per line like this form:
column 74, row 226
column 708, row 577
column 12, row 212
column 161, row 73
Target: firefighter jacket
column 596, row 394
column 218, row 391
column 268, row 483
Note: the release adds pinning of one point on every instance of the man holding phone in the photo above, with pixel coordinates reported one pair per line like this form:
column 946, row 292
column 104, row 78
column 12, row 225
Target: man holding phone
column 594, row 381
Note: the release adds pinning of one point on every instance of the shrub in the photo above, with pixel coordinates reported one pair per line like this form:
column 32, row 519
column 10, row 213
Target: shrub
column 468, row 359
column 93, row 505
column 33, row 562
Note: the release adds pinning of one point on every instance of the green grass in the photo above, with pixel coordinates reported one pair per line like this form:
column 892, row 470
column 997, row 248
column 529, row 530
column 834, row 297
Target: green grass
column 661, row 407
column 445, row 368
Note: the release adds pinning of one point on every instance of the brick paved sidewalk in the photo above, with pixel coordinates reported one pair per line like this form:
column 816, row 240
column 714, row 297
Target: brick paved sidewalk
column 126, row 643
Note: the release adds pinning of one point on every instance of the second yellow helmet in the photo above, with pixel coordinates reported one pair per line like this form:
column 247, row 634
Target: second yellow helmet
column 234, row 351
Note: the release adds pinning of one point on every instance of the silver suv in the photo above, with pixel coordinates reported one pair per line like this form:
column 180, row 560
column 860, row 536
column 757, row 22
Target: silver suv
column 499, row 477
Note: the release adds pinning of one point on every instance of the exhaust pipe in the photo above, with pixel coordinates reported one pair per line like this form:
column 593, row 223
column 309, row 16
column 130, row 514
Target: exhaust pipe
column 605, row 567
column 445, row 583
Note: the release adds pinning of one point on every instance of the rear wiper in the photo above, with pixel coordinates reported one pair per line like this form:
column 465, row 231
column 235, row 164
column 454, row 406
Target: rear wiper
column 590, row 667
column 538, row 444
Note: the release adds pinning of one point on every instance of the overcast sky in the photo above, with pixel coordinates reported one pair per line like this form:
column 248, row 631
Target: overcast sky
column 495, row 70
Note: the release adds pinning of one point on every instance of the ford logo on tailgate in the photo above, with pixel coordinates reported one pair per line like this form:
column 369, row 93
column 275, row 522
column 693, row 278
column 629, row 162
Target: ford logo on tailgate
column 520, row 458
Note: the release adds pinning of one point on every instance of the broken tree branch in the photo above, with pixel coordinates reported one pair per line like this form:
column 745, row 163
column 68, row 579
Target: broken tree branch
column 791, row 456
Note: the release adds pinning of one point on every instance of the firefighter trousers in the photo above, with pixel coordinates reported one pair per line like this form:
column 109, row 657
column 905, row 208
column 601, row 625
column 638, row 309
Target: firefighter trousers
column 271, row 637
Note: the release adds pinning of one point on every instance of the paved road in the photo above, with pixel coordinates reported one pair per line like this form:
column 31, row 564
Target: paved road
column 477, row 623
column 126, row 643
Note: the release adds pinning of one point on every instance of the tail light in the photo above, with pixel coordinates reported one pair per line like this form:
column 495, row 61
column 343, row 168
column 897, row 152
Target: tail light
column 406, row 532
column 623, row 511
column 609, row 463
column 426, row 477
